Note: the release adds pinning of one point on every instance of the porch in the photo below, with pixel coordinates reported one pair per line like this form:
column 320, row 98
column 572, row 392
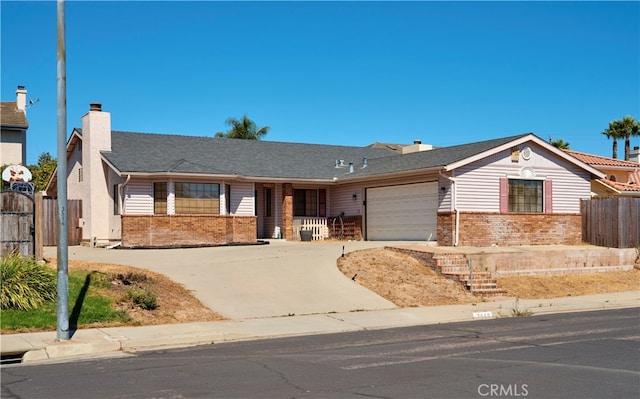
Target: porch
column 337, row 227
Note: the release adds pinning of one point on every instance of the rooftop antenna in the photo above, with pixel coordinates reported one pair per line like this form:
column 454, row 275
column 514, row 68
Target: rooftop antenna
column 31, row 102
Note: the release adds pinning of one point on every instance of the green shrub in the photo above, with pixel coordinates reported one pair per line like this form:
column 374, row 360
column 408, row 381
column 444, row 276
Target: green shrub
column 144, row 298
column 26, row 284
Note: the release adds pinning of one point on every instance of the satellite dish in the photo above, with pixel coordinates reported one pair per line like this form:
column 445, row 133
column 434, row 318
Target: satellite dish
column 16, row 173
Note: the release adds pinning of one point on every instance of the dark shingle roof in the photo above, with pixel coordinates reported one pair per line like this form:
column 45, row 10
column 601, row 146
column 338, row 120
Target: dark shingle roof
column 11, row 117
column 435, row 158
column 161, row 153
column 157, row 153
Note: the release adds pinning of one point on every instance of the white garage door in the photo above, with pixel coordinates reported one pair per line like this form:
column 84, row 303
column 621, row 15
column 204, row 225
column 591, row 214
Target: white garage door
column 404, row 212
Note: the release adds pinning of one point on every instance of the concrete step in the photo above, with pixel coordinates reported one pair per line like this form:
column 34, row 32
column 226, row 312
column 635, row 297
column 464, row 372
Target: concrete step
column 489, row 292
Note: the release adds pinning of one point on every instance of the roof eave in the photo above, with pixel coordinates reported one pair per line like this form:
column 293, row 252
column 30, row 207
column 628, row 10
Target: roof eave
column 218, row 176
column 391, row 175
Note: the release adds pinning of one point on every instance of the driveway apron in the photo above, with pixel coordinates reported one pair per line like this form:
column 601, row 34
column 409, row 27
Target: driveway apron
column 243, row 282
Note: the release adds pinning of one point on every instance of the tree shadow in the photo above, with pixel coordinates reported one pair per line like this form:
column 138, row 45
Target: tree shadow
column 77, row 307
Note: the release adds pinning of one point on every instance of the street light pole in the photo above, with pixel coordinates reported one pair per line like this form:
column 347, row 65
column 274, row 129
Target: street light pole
column 63, row 250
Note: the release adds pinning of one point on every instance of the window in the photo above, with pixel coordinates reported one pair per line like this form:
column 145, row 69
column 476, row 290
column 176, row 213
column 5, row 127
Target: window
column 160, row 198
column 227, row 199
column 268, row 202
column 612, row 178
column 525, row 195
column 310, row 202
column 197, row 198
column 116, row 199
column 80, row 174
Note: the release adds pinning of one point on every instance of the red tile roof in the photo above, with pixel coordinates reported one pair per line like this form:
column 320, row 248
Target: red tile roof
column 597, row 160
column 600, row 162
column 624, row 187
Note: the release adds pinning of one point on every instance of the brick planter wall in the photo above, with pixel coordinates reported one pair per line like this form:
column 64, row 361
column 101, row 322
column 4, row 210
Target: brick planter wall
column 486, row 229
column 352, row 228
column 161, row 231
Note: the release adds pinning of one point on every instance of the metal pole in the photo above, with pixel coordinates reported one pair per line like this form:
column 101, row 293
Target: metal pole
column 63, row 250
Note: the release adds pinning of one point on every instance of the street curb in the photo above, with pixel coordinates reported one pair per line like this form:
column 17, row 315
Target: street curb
column 32, row 348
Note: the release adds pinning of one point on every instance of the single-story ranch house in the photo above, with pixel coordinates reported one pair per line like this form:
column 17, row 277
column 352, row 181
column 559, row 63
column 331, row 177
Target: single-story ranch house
column 158, row 190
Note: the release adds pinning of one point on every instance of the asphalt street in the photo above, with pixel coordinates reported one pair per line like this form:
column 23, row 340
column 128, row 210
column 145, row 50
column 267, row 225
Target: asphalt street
column 570, row 355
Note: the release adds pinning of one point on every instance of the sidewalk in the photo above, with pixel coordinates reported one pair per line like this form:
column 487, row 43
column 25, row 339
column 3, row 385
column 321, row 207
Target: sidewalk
column 43, row 347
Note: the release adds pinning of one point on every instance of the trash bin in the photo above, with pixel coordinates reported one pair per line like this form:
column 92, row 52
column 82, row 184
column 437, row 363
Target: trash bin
column 306, row 235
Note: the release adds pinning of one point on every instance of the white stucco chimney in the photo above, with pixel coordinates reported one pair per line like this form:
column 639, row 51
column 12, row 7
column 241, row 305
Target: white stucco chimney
column 96, row 137
column 21, row 99
column 634, row 155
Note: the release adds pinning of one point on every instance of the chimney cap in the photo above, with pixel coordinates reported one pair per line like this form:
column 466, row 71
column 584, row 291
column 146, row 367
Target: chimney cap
column 20, row 87
column 417, row 141
column 95, row 107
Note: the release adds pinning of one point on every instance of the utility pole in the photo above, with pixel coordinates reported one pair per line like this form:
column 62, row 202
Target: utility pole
column 63, row 249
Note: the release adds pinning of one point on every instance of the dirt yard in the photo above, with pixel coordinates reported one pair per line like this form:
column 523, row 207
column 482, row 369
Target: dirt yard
column 406, row 282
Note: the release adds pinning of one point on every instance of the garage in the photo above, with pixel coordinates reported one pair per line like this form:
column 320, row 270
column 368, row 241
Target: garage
column 402, row 212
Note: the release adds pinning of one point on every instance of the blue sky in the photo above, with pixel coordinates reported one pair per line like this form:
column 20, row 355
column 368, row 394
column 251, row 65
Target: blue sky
column 347, row 73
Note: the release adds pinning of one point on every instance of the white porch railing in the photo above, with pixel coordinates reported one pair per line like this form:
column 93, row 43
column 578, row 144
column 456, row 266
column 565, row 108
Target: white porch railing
column 317, row 225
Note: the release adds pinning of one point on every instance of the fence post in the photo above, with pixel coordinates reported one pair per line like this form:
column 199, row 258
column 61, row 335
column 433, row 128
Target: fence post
column 39, row 226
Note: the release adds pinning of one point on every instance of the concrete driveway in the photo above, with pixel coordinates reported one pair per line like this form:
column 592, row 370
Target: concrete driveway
column 242, row 282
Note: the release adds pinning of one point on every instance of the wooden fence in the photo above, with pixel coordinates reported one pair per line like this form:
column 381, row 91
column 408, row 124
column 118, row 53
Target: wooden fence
column 49, row 223
column 611, row 222
column 17, row 229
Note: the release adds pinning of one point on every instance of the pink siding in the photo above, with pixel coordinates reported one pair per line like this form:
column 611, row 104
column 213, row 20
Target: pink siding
column 479, row 188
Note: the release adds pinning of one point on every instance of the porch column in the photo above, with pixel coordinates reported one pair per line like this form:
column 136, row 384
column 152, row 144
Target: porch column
column 287, row 211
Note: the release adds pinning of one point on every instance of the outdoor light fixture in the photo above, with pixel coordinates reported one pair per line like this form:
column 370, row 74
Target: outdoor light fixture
column 355, row 197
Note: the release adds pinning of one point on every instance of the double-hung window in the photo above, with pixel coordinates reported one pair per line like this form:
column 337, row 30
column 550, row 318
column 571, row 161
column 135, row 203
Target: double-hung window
column 526, row 195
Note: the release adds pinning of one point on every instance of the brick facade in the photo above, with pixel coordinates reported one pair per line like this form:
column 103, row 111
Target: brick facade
column 161, row 231
column 352, row 228
column 287, row 211
column 486, row 229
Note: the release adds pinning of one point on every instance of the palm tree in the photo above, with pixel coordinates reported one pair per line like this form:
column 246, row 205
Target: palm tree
column 612, row 133
column 559, row 143
column 244, row 128
column 628, row 127
column 623, row 128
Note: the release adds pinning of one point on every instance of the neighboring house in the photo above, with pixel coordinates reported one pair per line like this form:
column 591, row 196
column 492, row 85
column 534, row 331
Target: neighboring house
column 157, row 190
column 13, row 133
column 622, row 178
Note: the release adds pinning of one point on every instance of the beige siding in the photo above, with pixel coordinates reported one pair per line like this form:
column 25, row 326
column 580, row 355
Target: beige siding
column 341, row 200
column 75, row 187
column 138, row 198
column 242, row 201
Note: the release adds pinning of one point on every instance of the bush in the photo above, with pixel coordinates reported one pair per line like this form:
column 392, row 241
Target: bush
column 26, row 284
column 144, row 298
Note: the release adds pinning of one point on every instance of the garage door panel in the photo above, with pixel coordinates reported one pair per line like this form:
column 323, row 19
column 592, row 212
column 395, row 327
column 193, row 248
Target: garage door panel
column 403, row 212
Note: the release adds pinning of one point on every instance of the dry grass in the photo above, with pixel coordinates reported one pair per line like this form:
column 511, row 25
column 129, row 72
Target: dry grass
column 402, row 279
column 175, row 303
column 407, row 282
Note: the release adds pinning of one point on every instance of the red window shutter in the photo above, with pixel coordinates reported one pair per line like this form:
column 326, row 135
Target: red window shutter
column 548, row 196
column 504, row 195
column 322, row 203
